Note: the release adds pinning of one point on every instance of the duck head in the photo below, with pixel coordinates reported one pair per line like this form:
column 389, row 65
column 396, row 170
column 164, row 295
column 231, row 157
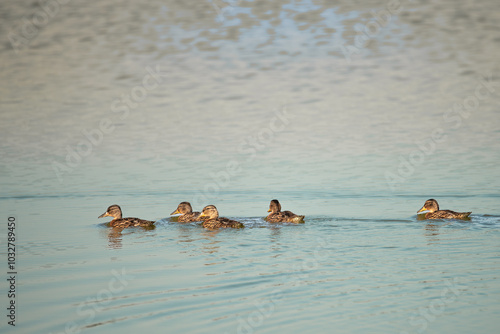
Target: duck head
column 209, row 212
column 183, row 208
column 274, row 206
column 113, row 211
column 431, row 205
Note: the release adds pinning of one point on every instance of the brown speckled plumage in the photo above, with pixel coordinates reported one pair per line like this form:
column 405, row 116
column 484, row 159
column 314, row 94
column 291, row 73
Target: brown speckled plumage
column 432, row 207
column 278, row 216
column 116, row 212
column 213, row 221
column 188, row 215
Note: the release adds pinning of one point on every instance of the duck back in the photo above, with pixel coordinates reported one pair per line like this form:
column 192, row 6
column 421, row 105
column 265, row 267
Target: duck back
column 190, row 217
column 447, row 214
column 285, row 217
column 130, row 222
column 222, row 222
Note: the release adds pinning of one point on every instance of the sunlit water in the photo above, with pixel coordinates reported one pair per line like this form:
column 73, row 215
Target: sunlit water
column 235, row 103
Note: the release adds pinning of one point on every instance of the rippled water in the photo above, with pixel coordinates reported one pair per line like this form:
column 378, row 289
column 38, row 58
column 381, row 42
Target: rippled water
column 350, row 113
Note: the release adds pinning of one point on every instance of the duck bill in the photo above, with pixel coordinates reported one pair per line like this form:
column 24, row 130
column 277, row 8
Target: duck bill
column 202, row 216
column 423, row 210
column 176, row 212
column 269, row 210
column 105, row 214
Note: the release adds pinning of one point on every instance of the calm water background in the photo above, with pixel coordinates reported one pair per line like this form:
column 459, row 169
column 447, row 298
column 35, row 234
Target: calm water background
column 254, row 100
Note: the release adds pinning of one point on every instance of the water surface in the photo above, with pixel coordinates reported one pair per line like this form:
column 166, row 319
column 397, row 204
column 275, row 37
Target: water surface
column 235, row 103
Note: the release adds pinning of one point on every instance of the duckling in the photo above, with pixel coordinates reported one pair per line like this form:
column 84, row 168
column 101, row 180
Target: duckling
column 188, row 215
column 431, row 206
column 278, row 216
column 213, row 220
column 116, row 212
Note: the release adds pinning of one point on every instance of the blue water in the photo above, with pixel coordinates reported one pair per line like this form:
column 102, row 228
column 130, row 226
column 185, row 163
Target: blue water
column 147, row 105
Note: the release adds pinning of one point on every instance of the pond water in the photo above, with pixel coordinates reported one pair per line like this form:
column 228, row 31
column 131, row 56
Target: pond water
column 352, row 114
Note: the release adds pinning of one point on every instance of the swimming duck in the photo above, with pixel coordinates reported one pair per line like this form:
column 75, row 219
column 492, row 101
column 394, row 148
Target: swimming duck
column 278, row 216
column 431, row 206
column 188, row 215
column 116, row 212
column 213, row 220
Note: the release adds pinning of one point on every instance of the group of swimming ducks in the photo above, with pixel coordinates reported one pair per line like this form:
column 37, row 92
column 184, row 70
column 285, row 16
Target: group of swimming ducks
column 209, row 216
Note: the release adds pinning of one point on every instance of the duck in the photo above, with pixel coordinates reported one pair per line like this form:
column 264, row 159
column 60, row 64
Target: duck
column 431, row 206
column 278, row 216
column 116, row 212
column 213, row 221
column 187, row 214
